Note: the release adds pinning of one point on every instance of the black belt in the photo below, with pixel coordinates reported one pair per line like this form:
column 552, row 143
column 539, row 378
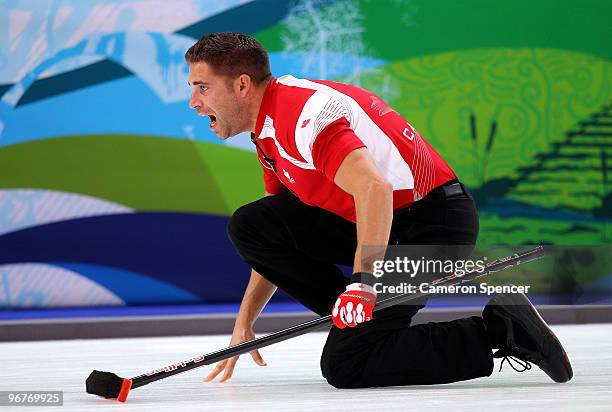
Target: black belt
column 449, row 189
column 453, row 189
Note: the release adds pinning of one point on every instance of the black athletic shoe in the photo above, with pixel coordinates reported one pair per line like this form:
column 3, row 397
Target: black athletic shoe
column 525, row 336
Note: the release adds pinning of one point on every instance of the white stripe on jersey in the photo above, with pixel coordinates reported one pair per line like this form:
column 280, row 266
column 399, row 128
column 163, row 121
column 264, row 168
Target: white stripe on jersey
column 327, row 105
column 319, row 111
column 268, row 130
column 422, row 160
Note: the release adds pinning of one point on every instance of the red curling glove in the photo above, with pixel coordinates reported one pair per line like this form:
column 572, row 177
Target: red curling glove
column 354, row 306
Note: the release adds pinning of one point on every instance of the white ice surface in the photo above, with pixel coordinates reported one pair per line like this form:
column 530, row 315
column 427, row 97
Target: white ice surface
column 292, row 379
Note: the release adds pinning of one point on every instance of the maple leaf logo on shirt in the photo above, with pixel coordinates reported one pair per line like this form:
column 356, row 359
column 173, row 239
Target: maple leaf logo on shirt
column 288, row 176
column 305, row 123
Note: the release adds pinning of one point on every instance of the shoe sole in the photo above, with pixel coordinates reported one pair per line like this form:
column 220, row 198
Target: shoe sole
column 556, row 350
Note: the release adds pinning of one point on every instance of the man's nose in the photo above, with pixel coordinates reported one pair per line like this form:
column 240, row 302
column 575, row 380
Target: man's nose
column 194, row 101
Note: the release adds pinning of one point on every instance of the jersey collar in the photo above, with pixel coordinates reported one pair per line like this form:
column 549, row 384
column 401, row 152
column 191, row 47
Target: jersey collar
column 266, row 103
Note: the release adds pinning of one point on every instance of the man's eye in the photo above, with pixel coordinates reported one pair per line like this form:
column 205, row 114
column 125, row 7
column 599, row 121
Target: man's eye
column 203, row 88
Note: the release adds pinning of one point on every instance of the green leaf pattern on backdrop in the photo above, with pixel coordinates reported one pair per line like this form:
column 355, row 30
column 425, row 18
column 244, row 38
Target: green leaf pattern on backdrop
column 534, row 96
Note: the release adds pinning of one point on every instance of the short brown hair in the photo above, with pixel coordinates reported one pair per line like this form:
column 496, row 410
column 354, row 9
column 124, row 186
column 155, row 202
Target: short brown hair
column 231, row 54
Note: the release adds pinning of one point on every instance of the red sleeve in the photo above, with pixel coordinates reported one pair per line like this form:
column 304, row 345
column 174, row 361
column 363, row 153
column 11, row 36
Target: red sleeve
column 332, row 145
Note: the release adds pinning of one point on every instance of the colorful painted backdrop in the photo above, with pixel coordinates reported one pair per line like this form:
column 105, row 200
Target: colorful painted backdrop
column 113, row 192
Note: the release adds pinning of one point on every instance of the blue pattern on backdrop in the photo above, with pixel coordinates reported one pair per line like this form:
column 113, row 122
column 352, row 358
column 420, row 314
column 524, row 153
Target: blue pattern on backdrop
column 132, row 288
column 216, row 15
column 188, row 251
column 130, row 106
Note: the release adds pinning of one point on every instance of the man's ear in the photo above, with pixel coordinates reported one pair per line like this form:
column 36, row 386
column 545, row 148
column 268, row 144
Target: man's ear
column 243, row 84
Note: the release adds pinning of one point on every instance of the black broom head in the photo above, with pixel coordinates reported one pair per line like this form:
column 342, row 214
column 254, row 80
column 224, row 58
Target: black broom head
column 108, row 385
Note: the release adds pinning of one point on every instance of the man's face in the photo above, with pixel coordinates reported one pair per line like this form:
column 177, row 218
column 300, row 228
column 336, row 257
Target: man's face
column 217, row 97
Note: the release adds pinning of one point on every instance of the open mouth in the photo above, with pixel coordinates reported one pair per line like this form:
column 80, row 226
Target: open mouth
column 213, row 120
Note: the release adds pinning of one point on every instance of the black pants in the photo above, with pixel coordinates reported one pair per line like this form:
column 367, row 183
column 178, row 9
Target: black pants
column 297, row 247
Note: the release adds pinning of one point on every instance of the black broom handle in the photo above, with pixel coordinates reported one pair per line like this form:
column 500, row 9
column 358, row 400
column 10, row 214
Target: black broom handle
column 303, row 328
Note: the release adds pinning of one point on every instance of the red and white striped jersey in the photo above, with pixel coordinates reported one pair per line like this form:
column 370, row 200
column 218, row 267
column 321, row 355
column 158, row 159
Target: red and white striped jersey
column 308, row 127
